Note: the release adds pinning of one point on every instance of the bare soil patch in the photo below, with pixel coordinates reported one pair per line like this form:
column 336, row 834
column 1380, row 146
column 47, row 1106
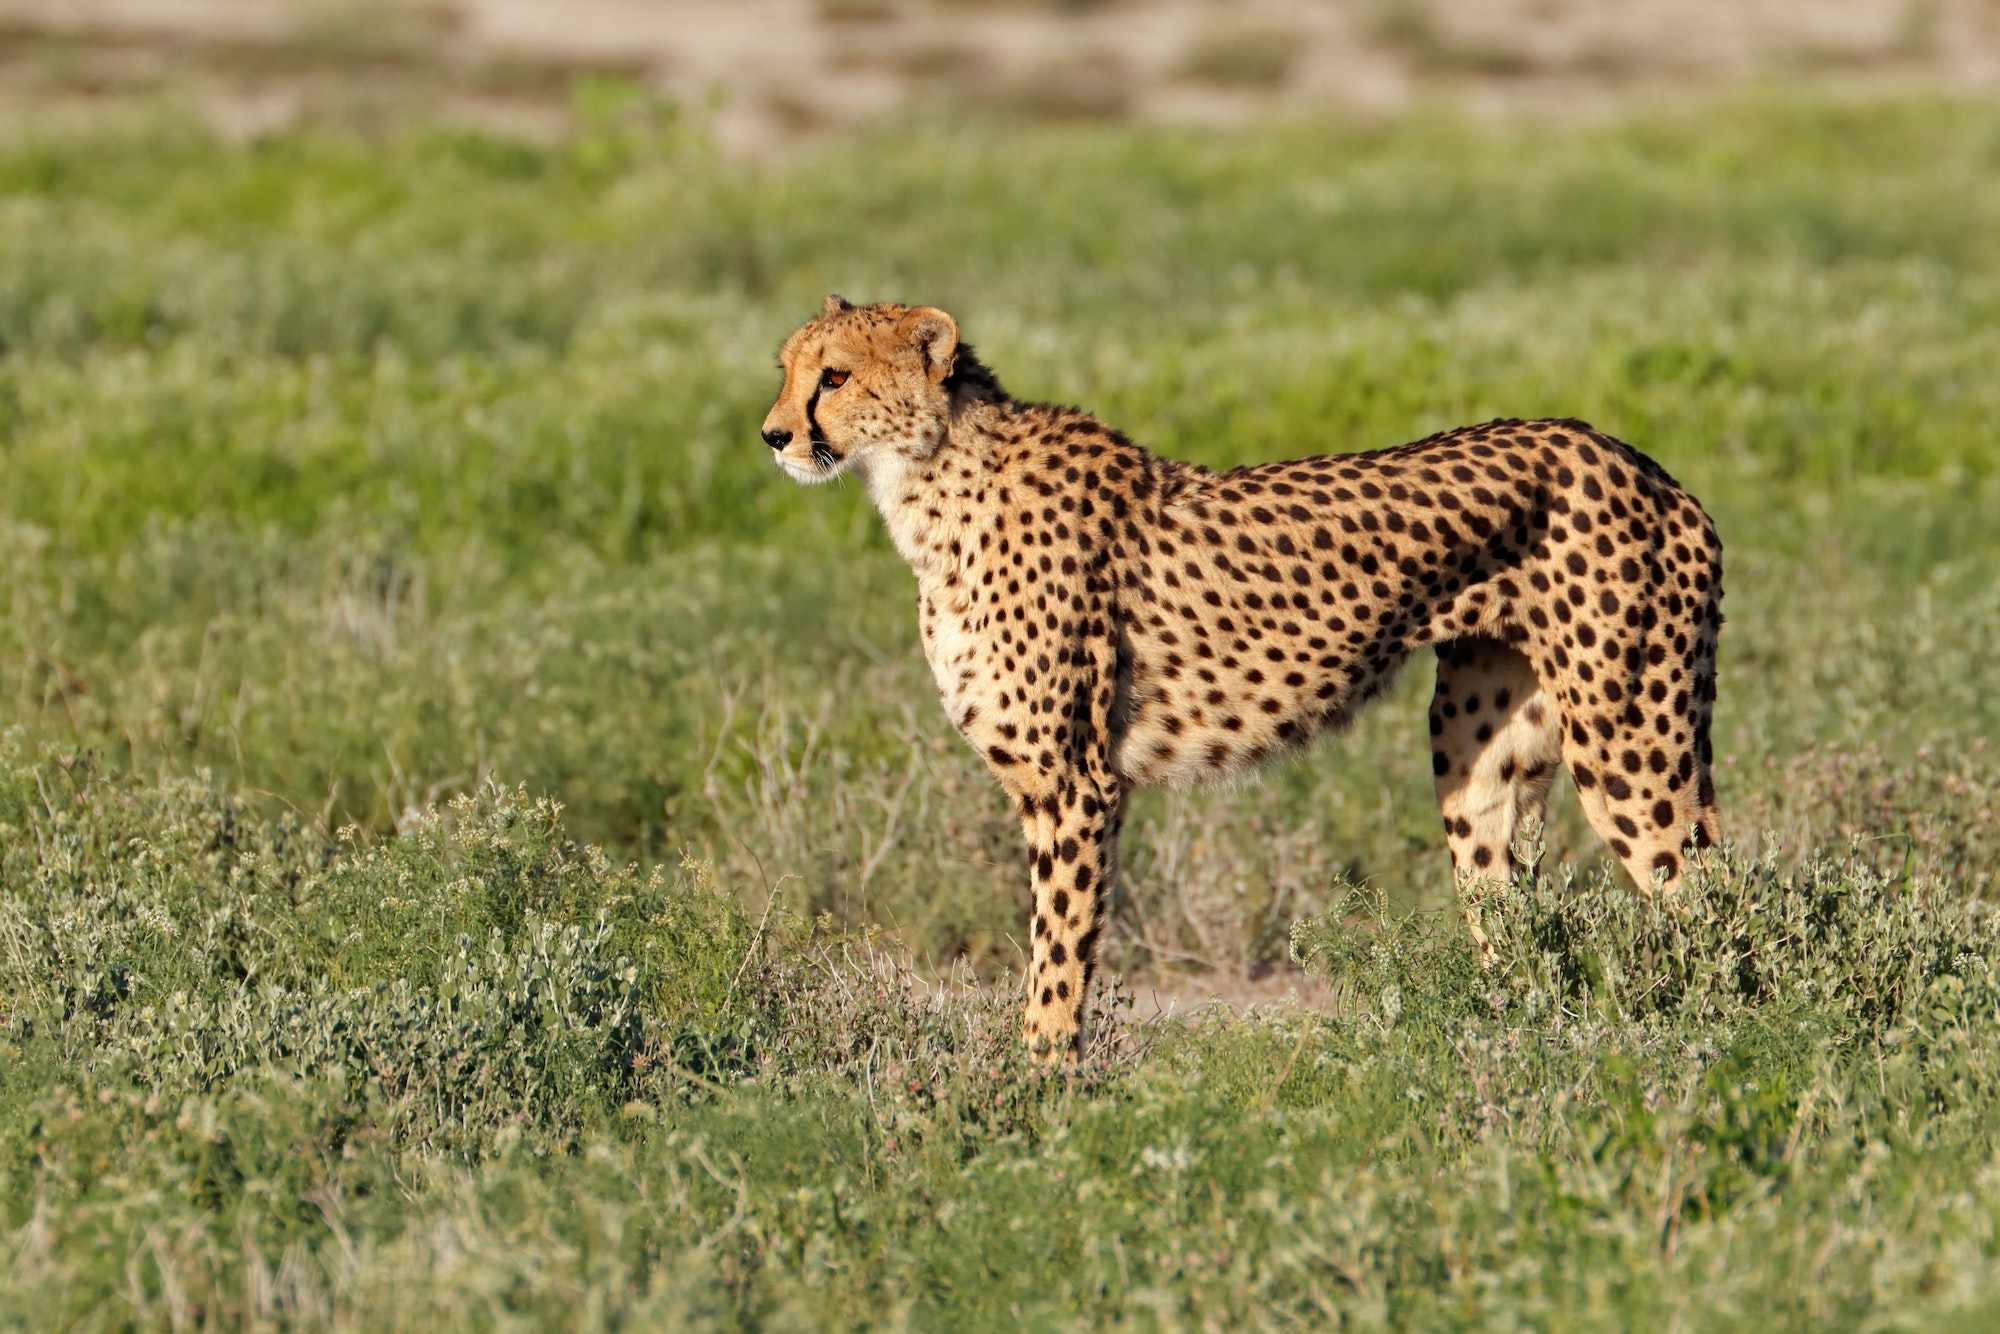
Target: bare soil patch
column 774, row 73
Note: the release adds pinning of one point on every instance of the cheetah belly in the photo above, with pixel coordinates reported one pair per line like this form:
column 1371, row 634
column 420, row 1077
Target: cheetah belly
column 1181, row 731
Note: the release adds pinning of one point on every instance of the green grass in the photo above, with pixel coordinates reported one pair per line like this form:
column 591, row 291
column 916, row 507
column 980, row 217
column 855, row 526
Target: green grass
column 347, row 484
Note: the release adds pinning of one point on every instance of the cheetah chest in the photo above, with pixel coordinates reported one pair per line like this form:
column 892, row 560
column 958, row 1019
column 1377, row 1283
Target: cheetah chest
column 953, row 646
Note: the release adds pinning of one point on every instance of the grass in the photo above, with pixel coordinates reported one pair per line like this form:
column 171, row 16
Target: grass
column 364, row 501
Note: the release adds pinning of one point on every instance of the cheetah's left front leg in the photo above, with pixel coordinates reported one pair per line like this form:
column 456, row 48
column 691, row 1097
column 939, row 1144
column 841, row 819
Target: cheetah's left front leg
column 1072, row 828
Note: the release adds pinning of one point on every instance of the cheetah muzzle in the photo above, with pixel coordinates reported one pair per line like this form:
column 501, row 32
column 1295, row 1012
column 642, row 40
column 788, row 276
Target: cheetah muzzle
column 1097, row 617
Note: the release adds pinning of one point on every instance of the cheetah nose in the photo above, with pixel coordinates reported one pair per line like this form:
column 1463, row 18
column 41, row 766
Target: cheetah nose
column 776, row 438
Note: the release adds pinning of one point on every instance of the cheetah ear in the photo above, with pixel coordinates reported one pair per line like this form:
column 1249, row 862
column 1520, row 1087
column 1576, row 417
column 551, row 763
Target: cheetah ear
column 834, row 304
column 935, row 334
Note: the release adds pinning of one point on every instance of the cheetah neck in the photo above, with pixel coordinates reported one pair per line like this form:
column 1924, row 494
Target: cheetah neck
column 930, row 499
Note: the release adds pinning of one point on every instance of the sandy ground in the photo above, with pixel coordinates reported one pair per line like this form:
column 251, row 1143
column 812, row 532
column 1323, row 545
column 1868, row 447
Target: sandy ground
column 781, row 72
column 1182, row 995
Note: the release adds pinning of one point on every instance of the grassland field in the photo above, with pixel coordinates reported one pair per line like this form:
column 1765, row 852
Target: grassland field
column 479, row 847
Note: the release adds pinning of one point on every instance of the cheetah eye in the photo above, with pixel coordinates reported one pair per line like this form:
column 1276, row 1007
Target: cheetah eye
column 832, row 379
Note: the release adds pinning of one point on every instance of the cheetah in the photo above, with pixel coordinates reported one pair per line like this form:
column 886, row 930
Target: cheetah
column 1097, row 617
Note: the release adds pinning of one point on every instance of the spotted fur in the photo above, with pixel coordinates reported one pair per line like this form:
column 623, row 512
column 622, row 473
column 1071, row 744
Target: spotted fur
column 1097, row 617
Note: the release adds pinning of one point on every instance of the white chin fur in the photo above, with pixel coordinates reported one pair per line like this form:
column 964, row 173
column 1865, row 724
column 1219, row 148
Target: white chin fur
column 808, row 474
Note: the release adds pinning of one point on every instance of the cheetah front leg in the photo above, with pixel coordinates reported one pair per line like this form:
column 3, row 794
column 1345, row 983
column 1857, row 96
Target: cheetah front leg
column 1072, row 829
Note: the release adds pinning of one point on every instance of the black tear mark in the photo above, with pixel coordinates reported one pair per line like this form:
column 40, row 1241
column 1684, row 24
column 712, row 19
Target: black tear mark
column 823, row 456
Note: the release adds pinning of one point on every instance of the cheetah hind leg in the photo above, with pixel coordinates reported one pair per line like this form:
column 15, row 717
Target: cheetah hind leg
column 1496, row 742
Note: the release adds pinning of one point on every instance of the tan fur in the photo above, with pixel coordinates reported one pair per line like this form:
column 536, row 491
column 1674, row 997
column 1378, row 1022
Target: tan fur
column 1097, row 617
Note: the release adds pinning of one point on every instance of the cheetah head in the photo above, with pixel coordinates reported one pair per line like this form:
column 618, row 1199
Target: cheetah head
column 862, row 383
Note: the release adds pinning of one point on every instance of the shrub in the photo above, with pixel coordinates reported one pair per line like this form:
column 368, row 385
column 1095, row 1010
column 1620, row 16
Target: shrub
column 1834, row 934
column 480, row 970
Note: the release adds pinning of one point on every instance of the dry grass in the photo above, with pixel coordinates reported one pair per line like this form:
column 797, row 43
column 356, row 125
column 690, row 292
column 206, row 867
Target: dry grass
column 773, row 79
column 1242, row 56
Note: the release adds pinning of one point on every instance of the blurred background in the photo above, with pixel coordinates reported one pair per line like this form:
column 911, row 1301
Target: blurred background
column 773, row 73
column 379, row 386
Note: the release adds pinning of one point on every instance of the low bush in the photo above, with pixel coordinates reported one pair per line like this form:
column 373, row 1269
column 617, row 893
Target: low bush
column 476, row 1073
